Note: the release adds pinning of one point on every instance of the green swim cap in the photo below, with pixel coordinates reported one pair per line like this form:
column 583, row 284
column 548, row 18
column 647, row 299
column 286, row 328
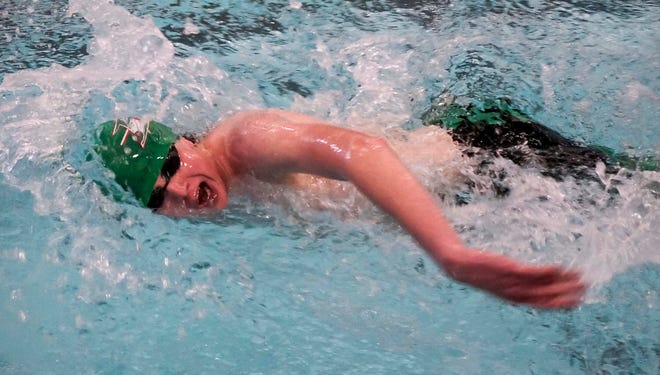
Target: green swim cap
column 135, row 151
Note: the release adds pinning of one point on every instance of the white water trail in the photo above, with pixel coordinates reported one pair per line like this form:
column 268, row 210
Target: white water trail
column 125, row 47
column 47, row 100
column 45, row 104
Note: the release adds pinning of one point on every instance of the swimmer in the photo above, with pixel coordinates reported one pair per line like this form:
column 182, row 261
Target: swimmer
column 178, row 177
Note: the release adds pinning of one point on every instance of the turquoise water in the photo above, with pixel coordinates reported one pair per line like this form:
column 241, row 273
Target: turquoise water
column 91, row 286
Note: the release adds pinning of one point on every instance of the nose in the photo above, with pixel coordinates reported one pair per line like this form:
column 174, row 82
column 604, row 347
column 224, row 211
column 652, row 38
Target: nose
column 177, row 188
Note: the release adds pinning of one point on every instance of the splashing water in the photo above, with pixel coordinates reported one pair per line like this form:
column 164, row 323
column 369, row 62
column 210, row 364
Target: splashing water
column 89, row 285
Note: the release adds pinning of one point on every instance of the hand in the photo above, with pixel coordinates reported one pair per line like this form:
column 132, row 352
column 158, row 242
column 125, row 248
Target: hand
column 549, row 287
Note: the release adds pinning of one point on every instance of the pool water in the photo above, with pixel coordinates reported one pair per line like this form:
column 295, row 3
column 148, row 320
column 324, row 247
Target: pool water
column 92, row 286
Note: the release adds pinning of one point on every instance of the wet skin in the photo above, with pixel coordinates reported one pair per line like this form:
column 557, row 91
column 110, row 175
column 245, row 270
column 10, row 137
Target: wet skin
column 195, row 187
column 272, row 144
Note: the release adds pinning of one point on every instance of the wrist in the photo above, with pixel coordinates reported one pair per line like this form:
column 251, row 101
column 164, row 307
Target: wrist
column 448, row 256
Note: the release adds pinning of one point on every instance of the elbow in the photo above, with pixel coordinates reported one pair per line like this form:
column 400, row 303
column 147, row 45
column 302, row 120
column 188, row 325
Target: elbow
column 364, row 154
column 366, row 145
column 357, row 152
column 344, row 155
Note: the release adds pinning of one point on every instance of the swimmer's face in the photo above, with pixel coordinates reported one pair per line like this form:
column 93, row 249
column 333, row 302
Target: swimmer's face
column 189, row 184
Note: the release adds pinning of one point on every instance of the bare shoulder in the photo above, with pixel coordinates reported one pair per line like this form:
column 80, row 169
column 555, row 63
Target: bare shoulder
column 229, row 131
column 275, row 130
column 263, row 142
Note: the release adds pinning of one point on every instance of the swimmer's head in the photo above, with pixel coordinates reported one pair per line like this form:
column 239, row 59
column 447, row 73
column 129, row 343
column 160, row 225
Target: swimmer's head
column 135, row 151
column 173, row 175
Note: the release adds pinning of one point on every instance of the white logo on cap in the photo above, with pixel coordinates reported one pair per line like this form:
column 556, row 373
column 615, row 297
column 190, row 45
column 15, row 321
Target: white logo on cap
column 136, row 127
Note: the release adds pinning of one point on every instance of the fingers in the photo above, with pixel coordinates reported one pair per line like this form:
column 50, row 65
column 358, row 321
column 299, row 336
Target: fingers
column 503, row 268
column 545, row 274
column 568, row 301
column 546, row 286
column 550, row 290
column 561, row 295
column 563, row 290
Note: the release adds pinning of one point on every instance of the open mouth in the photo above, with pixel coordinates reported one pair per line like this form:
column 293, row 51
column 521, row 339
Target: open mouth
column 205, row 195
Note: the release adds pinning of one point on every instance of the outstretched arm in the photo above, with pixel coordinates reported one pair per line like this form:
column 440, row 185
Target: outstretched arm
column 274, row 141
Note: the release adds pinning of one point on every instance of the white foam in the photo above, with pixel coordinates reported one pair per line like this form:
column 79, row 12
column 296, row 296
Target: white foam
column 42, row 122
column 47, row 99
column 190, row 28
column 124, row 47
column 386, row 68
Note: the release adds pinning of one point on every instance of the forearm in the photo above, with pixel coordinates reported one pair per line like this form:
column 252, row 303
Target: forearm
column 376, row 171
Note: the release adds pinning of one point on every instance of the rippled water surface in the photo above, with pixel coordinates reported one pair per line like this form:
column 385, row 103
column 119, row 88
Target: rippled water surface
column 92, row 286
